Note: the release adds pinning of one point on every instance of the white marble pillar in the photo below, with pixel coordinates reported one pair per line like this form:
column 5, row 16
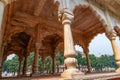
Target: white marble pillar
column 69, row 51
column 111, row 34
column 116, row 50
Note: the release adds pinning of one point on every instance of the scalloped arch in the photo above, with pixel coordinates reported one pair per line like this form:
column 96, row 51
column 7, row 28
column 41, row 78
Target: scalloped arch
column 97, row 15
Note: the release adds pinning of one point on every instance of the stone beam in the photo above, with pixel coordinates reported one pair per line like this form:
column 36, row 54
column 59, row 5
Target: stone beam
column 32, row 21
column 39, row 8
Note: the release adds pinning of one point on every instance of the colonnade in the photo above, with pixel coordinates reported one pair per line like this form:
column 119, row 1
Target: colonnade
column 66, row 17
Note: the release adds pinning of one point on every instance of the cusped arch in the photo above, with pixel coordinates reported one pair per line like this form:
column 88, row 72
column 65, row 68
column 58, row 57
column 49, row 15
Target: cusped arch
column 98, row 14
column 50, row 42
column 17, row 30
column 94, row 11
column 9, row 53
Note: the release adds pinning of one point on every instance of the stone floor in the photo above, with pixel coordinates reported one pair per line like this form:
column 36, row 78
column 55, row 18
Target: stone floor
column 93, row 76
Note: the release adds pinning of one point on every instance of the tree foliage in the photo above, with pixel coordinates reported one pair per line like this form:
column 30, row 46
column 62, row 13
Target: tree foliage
column 96, row 62
column 11, row 65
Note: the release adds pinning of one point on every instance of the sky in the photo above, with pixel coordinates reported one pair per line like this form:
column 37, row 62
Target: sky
column 100, row 45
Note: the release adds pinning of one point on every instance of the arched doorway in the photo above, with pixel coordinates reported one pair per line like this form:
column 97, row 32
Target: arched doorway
column 101, row 55
column 11, row 66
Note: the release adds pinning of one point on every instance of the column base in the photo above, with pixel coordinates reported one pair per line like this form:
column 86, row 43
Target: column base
column 118, row 70
column 35, row 74
column 69, row 73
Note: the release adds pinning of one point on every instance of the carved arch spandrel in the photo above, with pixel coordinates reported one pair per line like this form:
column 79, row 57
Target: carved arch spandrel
column 16, row 29
column 86, row 40
column 93, row 11
column 51, row 41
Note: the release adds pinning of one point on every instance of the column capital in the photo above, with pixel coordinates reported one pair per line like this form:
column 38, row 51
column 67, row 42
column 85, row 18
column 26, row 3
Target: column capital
column 111, row 35
column 38, row 45
column 66, row 16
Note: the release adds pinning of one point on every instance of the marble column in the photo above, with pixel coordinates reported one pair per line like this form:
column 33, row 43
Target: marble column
column 19, row 68
column 111, row 34
column 87, row 60
column 36, row 56
column 25, row 66
column 116, row 50
column 69, row 52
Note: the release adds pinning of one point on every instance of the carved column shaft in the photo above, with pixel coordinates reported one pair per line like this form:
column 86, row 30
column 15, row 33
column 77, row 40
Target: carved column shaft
column 37, row 48
column 35, row 64
column 69, row 51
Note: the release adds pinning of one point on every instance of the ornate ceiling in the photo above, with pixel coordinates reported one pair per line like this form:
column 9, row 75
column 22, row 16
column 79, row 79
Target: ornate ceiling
column 22, row 17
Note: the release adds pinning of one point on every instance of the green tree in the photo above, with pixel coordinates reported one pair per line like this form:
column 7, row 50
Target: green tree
column 81, row 60
column 30, row 59
column 11, row 65
column 59, row 60
column 48, row 64
column 93, row 60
